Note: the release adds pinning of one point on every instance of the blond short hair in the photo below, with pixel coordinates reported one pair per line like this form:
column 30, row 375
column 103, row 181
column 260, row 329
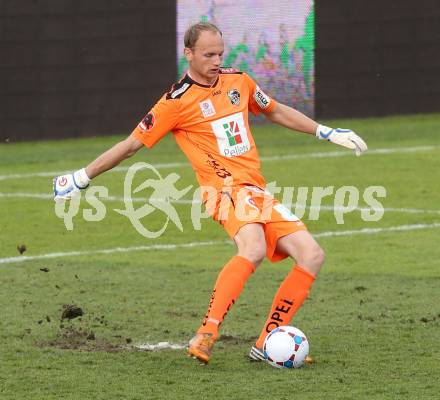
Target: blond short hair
column 192, row 34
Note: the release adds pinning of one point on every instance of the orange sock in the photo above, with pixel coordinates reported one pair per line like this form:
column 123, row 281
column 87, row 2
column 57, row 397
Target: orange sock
column 288, row 299
column 229, row 284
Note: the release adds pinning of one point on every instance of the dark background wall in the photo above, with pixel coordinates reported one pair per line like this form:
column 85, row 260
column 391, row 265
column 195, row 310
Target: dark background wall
column 82, row 67
column 71, row 68
column 377, row 57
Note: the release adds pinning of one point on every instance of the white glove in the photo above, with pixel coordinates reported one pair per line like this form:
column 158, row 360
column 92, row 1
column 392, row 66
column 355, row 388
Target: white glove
column 67, row 186
column 343, row 137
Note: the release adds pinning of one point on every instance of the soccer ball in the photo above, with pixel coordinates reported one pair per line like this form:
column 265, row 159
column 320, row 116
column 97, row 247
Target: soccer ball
column 286, row 347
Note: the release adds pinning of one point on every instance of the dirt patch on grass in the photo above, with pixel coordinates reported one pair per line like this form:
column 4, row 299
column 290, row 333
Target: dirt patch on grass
column 76, row 332
column 76, row 338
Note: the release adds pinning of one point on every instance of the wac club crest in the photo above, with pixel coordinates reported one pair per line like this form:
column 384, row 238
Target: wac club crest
column 234, row 96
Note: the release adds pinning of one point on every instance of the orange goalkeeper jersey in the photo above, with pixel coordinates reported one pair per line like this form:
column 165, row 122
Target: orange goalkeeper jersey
column 211, row 126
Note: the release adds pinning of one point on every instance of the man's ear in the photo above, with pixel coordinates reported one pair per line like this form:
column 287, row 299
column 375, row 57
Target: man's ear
column 187, row 52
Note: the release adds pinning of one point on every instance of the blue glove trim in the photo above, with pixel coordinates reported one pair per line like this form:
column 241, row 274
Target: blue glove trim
column 326, row 135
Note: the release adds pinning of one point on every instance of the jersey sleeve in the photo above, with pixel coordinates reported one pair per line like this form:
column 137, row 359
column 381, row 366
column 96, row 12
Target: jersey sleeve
column 160, row 120
column 258, row 100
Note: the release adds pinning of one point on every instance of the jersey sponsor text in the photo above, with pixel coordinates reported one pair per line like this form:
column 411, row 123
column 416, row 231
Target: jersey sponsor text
column 231, row 134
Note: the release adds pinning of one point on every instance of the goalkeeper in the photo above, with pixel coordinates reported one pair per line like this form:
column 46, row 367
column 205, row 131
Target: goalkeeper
column 207, row 113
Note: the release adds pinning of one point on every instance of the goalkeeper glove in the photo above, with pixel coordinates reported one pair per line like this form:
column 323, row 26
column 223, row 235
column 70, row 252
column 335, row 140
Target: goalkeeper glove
column 67, row 186
column 343, row 137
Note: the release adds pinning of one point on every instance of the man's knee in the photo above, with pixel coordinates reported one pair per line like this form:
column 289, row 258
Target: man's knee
column 251, row 243
column 318, row 255
column 254, row 252
column 312, row 258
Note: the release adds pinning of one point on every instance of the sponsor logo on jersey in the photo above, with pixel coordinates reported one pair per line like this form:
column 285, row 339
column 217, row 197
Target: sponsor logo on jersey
column 207, row 108
column 234, row 96
column 229, row 71
column 147, row 122
column 216, row 93
column 262, row 99
column 231, row 134
column 179, row 91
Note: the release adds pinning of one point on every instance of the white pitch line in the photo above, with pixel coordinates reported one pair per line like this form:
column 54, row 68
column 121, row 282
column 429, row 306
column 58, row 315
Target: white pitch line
column 171, row 246
column 46, row 196
column 329, row 154
column 111, row 251
column 370, row 231
column 160, row 346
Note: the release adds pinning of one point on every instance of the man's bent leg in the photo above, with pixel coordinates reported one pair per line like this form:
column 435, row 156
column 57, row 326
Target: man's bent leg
column 295, row 288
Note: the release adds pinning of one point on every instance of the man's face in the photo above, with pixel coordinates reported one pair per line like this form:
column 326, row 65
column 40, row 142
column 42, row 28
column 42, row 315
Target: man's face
column 206, row 57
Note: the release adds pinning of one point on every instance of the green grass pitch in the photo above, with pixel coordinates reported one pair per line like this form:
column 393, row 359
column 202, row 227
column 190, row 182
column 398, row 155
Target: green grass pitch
column 373, row 316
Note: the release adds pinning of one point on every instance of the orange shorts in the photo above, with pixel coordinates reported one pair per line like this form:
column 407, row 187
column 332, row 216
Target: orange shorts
column 249, row 204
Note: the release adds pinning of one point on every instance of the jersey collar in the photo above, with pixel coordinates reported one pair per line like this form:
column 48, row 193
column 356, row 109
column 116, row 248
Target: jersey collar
column 192, row 81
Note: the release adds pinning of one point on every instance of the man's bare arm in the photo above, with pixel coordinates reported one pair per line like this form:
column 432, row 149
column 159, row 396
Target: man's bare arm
column 112, row 157
column 69, row 185
column 293, row 119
